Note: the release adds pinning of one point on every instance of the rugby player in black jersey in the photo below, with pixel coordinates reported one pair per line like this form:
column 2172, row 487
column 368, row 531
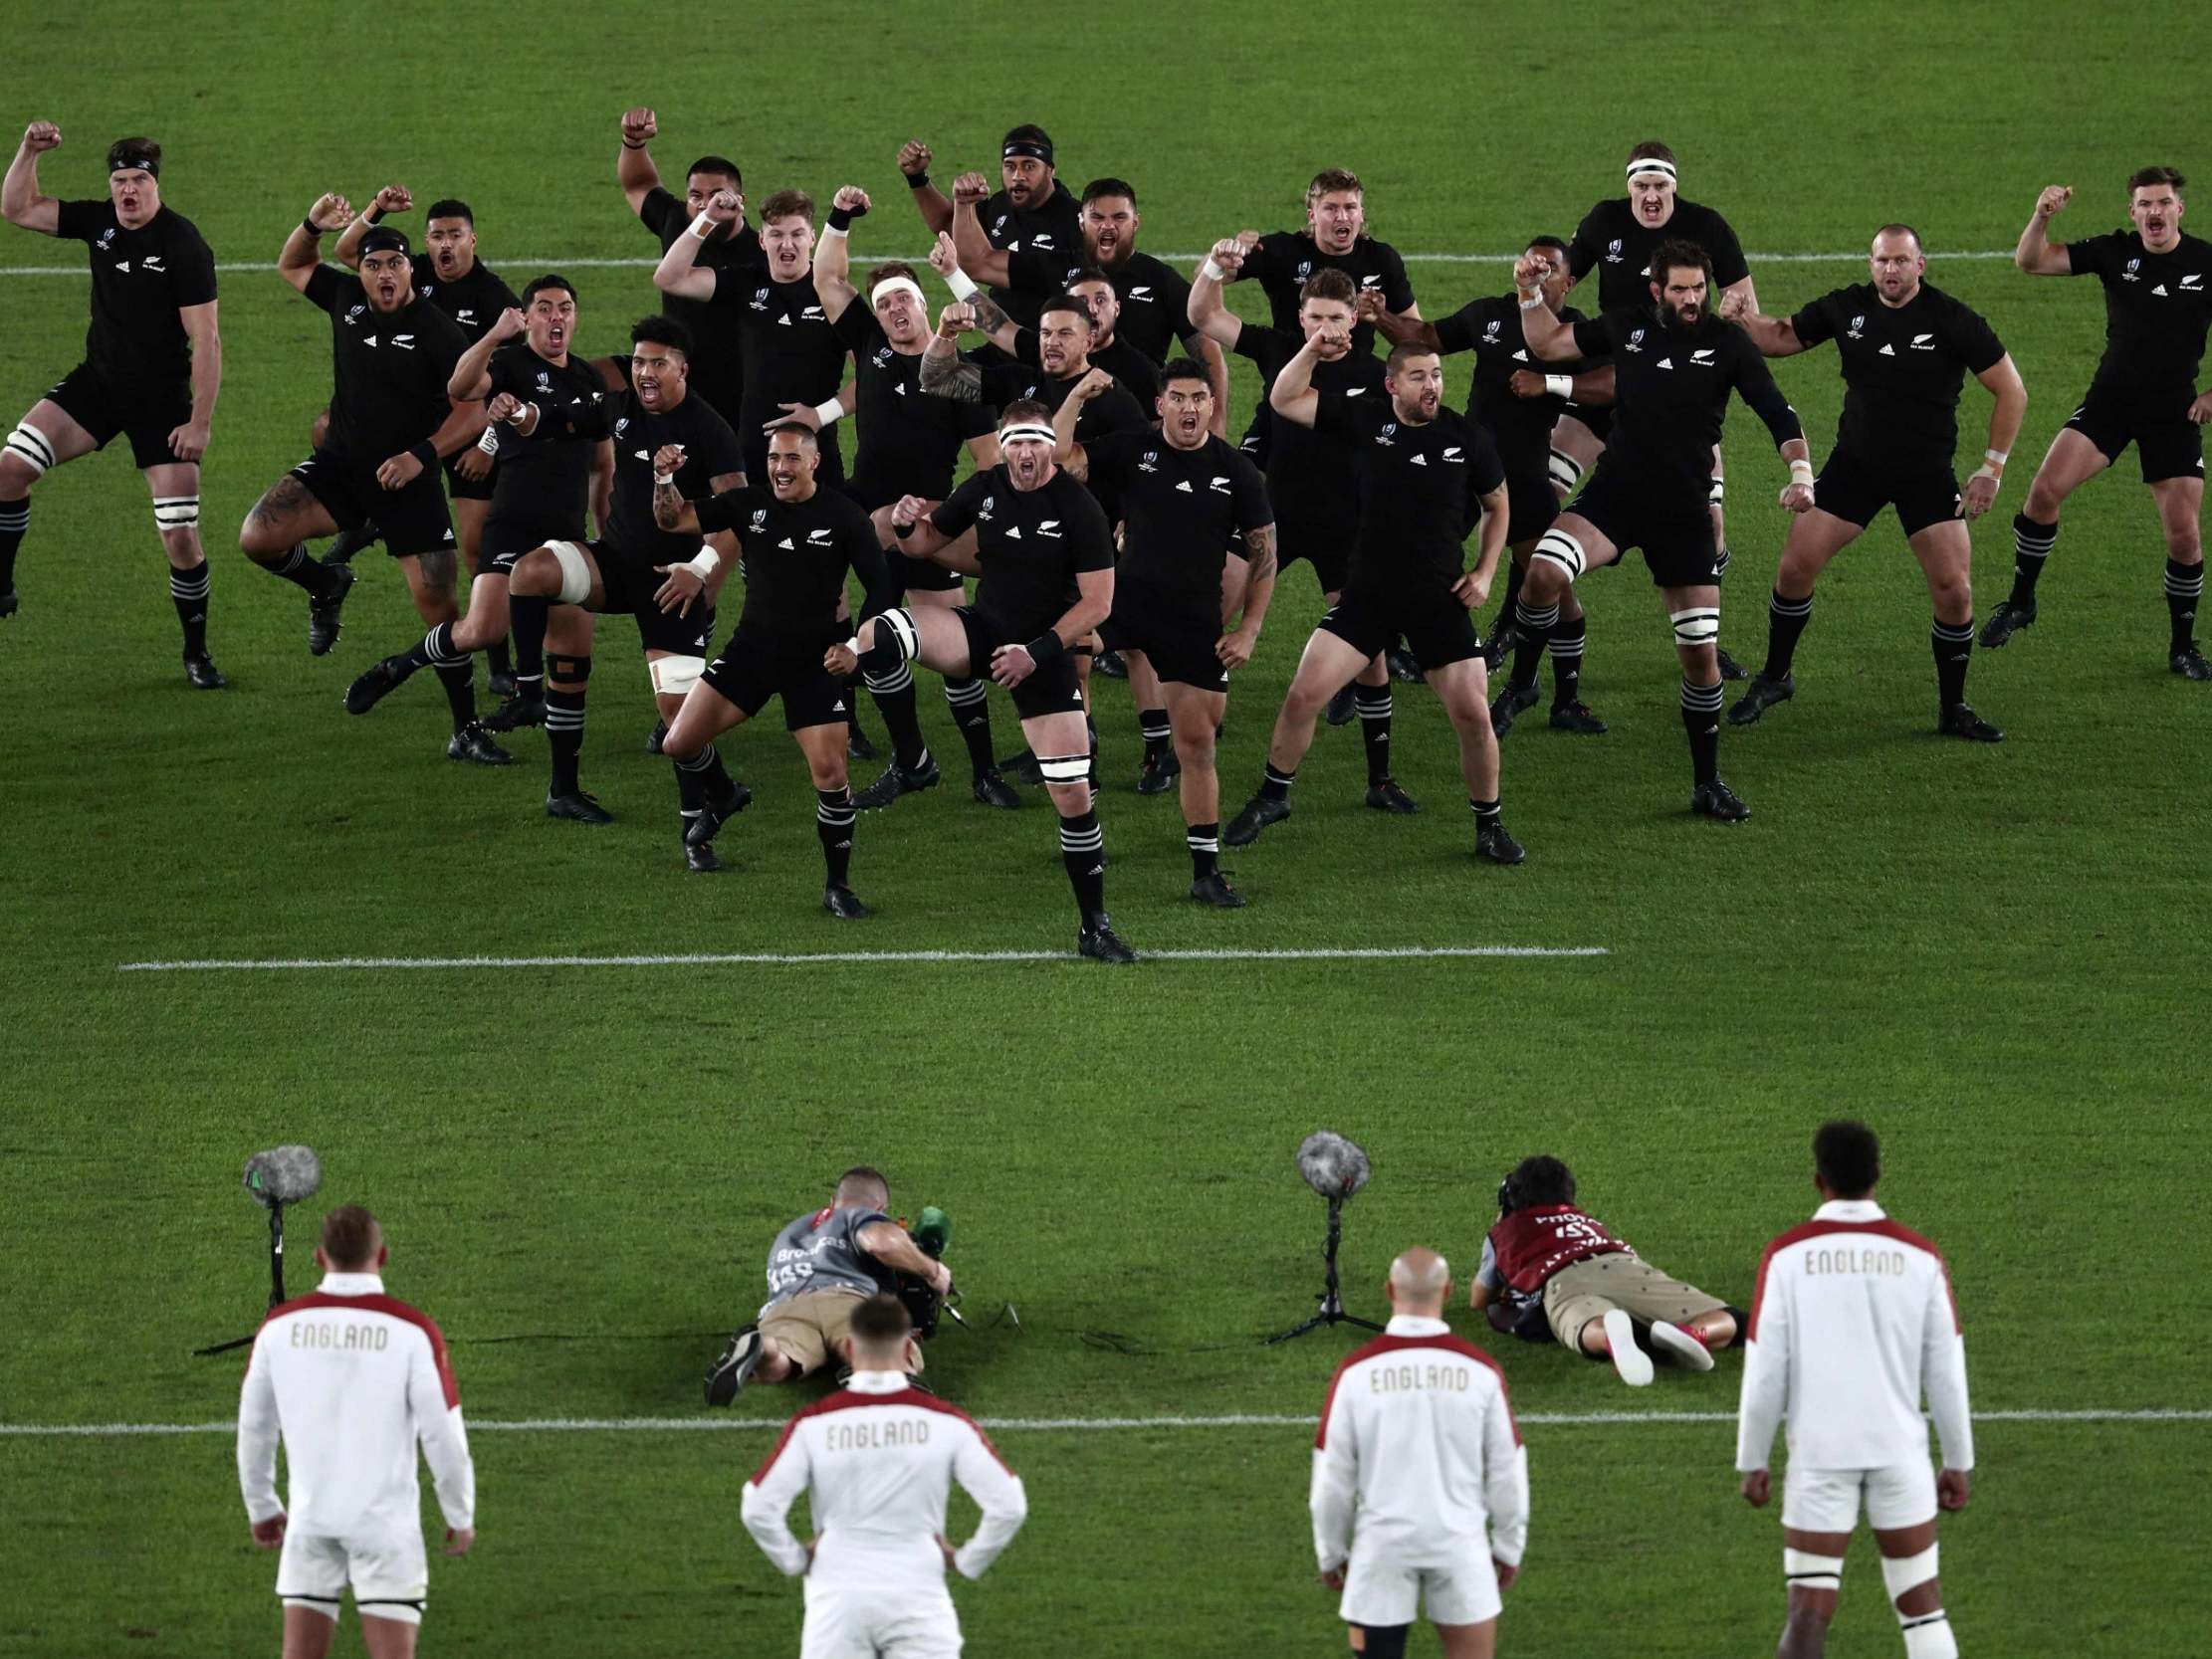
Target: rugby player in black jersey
column 1184, row 499
column 153, row 365
column 1147, row 311
column 1518, row 406
column 798, row 539
column 1310, row 474
column 1033, row 211
column 549, row 413
column 910, row 441
column 2157, row 309
column 1046, row 554
column 1424, row 475
column 451, row 277
column 717, row 356
column 1673, row 366
column 1617, row 238
column 1904, row 347
column 391, row 420
column 557, row 589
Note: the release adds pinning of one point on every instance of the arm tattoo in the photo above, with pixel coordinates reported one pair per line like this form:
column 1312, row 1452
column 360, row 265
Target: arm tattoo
column 952, row 378
column 990, row 316
column 1259, row 549
column 668, row 505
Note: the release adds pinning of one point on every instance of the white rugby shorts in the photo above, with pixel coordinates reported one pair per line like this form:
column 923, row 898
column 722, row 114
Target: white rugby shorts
column 1828, row 1500
column 885, row 1620
column 1381, row 1591
column 388, row 1570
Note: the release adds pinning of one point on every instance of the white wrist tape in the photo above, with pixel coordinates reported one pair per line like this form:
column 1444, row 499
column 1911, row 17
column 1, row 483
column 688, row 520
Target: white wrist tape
column 662, row 480
column 704, row 563
column 1800, row 471
column 829, row 411
column 1559, row 385
column 1212, row 271
column 1997, row 457
column 1529, row 302
column 489, row 443
column 703, row 226
column 961, row 283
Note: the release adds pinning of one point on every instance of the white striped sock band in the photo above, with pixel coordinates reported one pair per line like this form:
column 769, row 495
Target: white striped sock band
column 698, row 762
column 1153, row 723
column 1701, row 699
column 1372, row 705
column 1203, row 843
column 964, row 694
column 564, row 719
column 2190, row 586
column 292, row 560
column 1285, row 779
column 1953, row 633
column 188, row 584
column 898, row 679
column 437, row 645
column 14, row 520
column 1081, row 841
column 839, row 817
column 176, row 513
column 1779, row 606
column 1567, row 648
column 2036, row 543
column 1536, row 623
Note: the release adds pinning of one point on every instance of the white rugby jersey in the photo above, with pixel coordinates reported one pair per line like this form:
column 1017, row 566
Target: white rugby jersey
column 1852, row 1320
column 879, row 1457
column 351, row 1378
column 1418, row 1454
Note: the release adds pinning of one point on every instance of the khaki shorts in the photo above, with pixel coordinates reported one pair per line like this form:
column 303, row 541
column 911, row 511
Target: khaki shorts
column 813, row 1325
column 1593, row 1287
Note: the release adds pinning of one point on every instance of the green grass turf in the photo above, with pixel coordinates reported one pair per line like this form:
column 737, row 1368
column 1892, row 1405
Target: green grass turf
column 1987, row 952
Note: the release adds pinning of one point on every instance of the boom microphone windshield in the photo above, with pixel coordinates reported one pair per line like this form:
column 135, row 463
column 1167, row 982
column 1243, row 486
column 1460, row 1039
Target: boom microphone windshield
column 1332, row 1165
column 285, row 1174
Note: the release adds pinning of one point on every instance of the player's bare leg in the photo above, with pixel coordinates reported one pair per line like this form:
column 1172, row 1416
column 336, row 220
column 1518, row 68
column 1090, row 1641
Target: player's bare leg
column 1549, row 614
column 1815, row 1564
column 307, row 1632
column 1463, row 688
column 1694, row 613
column 1162, row 760
column 1062, row 743
column 275, row 537
column 1730, row 669
column 1328, row 662
column 175, row 489
column 1470, row 1641
column 431, row 580
column 388, row 1638
column 1194, row 715
column 1564, row 640
column 568, row 636
column 2070, row 461
column 1946, row 556
column 1814, row 538
column 2180, row 512
column 44, row 439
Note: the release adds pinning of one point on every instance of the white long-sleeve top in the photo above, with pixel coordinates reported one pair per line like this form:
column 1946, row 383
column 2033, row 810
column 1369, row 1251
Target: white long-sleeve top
column 1852, row 1322
column 352, row 1380
column 879, row 1458
column 1418, row 1453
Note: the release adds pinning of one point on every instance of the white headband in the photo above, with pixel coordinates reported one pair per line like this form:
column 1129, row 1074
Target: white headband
column 894, row 284
column 1031, row 430
column 1652, row 164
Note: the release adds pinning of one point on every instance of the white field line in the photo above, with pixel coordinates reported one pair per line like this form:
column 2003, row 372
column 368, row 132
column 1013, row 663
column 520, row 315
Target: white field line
column 513, row 264
column 769, row 959
column 1065, row 1425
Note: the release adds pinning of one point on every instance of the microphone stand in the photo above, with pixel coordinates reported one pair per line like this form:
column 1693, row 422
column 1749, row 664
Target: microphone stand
column 1331, row 1308
column 275, row 1280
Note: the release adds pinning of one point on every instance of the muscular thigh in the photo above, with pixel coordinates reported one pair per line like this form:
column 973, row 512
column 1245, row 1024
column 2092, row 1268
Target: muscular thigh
column 944, row 640
column 2180, row 508
column 1945, row 552
column 289, row 511
column 1061, row 733
column 64, row 435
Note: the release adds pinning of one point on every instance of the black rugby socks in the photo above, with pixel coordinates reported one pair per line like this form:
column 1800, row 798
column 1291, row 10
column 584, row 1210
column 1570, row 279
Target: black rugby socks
column 188, row 592
column 1786, row 621
column 2031, row 545
column 1701, row 719
column 1954, row 646
column 2184, row 590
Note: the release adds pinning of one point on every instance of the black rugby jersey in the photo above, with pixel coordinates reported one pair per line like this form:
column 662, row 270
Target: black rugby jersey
column 474, row 301
column 1282, row 260
column 711, row 451
column 545, row 479
column 140, row 279
column 791, row 353
column 2157, row 308
column 390, row 369
column 908, row 439
column 1114, row 410
column 717, row 342
column 1618, row 245
column 1421, row 489
column 1154, row 298
column 1139, row 374
column 1521, row 426
column 1054, row 227
column 1030, row 545
column 1180, row 511
column 795, row 556
column 1310, row 471
column 1902, row 368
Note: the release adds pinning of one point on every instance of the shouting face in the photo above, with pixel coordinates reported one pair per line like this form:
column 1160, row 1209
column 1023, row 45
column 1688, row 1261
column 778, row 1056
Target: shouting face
column 1652, row 199
column 1109, row 230
column 1186, row 412
column 1336, row 218
column 550, row 323
column 387, row 279
column 1416, row 388
column 791, row 247
column 1065, row 343
column 1029, row 461
column 136, row 195
column 1028, row 181
column 658, row 374
column 793, row 458
column 452, row 247
column 1681, row 297
column 2156, row 209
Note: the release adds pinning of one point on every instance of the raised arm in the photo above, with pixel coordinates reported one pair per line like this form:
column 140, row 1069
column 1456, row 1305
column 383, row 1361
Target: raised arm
column 1775, row 337
column 1549, row 340
column 978, row 257
column 986, row 316
column 833, row 255
column 301, row 253
column 1065, row 450
column 20, row 201
column 472, row 375
column 670, row 511
column 679, row 272
column 2036, row 253
column 1206, row 313
column 633, row 165
column 929, row 201
column 942, row 374
column 1292, row 395
column 393, row 198
column 1398, row 328
column 2011, row 408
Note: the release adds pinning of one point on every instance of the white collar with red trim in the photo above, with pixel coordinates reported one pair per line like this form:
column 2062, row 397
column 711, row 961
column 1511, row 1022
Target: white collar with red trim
column 1850, row 1209
column 351, row 1284
column 1416, row 1325
column 877, row 1383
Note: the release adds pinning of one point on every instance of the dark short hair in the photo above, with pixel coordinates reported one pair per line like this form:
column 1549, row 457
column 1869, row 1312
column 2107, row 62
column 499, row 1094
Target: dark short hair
column 1024, row 411
column 1330, row 283
column 1091, row 273
column 450, row 207
column 800, row 429
column 2152, row 175
column 789, row 204
column 1028, row 132
column 1403, row 351
column 1109, row 188
column 137, row 152
column 1067, row 303
column 1847, row 1156
column 1675, row 254
column 350, row 1237
column 1542, row 1179
column 880, row 1321
column 1547, row 239
column 1183, row 368
column 864, row 1171
column 550, row 280
column 720, row 164
column 1652, row 150
column 661, row 330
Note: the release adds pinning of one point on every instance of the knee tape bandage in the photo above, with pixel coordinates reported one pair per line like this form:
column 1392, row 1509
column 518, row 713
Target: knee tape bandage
column 576, row 669
column 1719, row 489
column 29, row 446
column 1805, row 1571
column 1558, row 547
column 674, row 676
column 575, row 572
column 176, row 513
column 1566, row 470
column 1064, row 768
column 1700, row 625
column 1903, row 1573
